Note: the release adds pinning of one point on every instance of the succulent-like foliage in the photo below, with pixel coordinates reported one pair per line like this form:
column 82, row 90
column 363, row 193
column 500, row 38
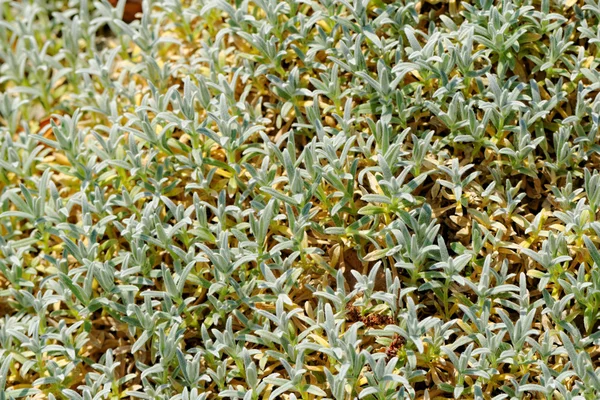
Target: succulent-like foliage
column 264, row 199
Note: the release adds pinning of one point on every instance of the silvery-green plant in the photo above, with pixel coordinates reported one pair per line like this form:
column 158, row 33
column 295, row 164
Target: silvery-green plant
column 330, row 199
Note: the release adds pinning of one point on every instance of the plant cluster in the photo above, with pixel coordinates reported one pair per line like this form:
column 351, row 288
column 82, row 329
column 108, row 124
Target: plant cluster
column 300, row 199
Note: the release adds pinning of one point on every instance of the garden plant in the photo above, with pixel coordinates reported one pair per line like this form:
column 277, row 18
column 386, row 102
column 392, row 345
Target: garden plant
column 299, row 199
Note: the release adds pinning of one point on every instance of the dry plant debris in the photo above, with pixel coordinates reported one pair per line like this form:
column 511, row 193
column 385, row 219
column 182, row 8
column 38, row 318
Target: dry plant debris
column 300, row 199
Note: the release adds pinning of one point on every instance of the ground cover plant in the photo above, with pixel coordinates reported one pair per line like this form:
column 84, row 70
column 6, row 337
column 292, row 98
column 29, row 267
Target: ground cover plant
column 302, row 199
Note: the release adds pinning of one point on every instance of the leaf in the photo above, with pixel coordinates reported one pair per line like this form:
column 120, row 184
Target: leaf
column 371, row 210
column 280, row 196
column 18, row 393
column 139, row 343
column 594, row 253
column 376, row 255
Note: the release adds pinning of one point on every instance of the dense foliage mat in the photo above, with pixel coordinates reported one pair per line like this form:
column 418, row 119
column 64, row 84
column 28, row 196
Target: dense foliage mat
column 263, row 199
